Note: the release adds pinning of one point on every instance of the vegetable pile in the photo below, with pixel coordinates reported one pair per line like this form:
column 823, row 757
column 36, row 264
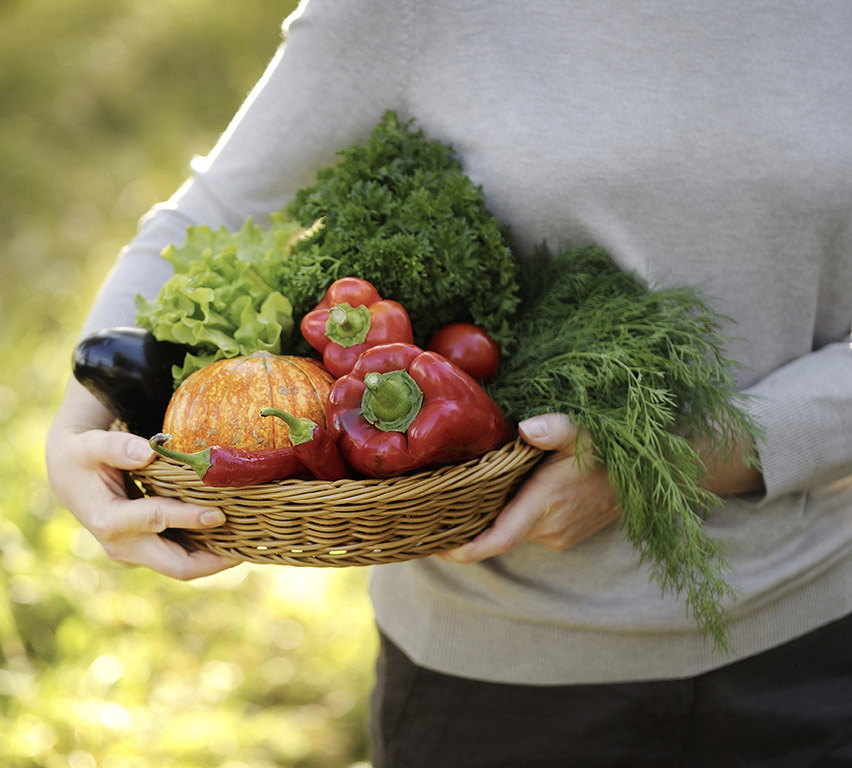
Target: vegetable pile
column 400, row 212
column 397, row 211
column 393, row 250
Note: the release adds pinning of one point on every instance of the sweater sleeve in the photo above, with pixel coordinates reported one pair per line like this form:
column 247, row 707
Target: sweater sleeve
column 340, row 66
column 805, row 409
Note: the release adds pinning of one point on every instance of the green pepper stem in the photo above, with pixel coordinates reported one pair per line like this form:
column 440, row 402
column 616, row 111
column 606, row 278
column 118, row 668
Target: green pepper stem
column 391, row 400
column 348, row 325
column 301, row 430
column 199, row 462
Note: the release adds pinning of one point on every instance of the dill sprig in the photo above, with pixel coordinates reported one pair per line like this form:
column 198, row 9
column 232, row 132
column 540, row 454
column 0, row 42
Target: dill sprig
column 644, row 371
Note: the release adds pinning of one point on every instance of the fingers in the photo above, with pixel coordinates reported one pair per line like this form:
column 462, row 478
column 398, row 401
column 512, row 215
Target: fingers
column 171, row 559
column 122, row 521
column 115, row 449
column 156, row 513
column 550, row 432
column 532, row 515
column 512, row 526
column 560, row 507
column 516, row 523
column 129, row 532
column 85, row 465
column 566, row 500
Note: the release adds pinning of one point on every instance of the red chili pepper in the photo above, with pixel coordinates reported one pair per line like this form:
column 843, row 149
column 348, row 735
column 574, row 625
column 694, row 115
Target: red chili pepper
column 351, row 318
column 314, row 446
column 403, row 409
column 221, row 466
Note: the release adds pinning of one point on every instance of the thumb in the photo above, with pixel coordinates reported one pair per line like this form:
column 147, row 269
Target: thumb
column 116, row 449
column 550, row 432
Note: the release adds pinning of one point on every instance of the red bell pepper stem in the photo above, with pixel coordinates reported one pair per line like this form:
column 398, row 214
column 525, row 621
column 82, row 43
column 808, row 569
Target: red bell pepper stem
column 221, row 466
column 314, row 446
column 391, row 400
column 348, row 325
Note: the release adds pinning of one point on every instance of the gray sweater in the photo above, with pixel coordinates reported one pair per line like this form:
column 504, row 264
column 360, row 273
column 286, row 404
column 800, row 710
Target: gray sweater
column 702, row 143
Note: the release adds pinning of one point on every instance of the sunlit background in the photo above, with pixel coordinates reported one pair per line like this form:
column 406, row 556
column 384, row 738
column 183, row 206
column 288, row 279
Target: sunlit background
column 102, row 105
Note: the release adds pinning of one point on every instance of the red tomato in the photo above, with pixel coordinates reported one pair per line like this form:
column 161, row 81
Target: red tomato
column 470, row 348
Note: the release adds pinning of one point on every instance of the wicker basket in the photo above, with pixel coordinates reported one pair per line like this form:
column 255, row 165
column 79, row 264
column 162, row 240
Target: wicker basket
column 349, row 522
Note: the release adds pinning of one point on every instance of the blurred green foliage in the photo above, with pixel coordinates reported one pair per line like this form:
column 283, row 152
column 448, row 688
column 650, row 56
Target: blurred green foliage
column 104, row 104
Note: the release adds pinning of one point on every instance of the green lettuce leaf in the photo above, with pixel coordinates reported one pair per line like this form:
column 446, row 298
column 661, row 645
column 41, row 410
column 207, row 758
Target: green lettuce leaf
column 224, row 298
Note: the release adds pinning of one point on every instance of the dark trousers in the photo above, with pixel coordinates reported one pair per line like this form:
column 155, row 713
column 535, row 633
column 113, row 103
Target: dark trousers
column 790, row 707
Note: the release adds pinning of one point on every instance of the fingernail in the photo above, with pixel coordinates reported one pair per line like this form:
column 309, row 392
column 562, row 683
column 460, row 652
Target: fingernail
column 534, row 427
column 138, row 451
column 213, row 517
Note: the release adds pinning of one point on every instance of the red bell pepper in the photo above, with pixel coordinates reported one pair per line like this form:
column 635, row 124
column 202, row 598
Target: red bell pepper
column 351, row 318
column 402, row 409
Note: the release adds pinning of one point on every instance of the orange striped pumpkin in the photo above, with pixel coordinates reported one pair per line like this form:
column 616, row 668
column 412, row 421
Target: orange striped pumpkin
column 220, row 403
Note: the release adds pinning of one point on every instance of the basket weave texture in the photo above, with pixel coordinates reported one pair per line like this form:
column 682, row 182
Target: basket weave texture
column 349, row 522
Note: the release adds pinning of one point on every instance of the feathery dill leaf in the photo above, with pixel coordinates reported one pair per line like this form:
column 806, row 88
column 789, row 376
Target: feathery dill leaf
column 644, row 372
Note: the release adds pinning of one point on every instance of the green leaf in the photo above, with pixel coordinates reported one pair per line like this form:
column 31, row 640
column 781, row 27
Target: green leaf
column 399, row 211
column 224, row 298
column 644, row 372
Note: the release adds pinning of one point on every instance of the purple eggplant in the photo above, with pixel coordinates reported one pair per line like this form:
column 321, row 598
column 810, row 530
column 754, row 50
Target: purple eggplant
column 130, row 372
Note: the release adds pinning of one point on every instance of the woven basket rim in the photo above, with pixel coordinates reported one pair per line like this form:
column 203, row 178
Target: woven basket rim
column 489, row 463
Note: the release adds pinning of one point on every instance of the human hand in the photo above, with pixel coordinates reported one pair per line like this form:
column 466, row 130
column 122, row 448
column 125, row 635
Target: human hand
column 85, row 463
column 565, row 500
